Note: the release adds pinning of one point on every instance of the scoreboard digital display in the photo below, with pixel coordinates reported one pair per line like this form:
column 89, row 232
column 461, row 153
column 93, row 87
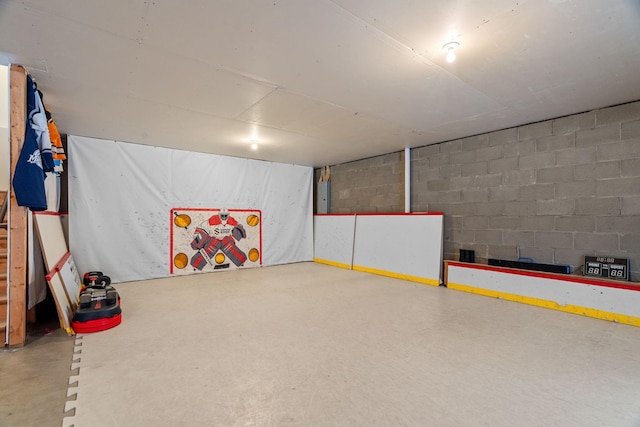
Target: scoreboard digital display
column 606, row 267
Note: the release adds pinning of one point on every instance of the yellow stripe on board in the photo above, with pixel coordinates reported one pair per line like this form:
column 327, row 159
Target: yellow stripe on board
column 575, row 309
column 432, row 282
column 332, row 263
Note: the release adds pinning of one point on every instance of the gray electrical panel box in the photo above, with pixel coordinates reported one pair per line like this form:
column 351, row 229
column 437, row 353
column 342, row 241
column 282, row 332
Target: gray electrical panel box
column 324, row 197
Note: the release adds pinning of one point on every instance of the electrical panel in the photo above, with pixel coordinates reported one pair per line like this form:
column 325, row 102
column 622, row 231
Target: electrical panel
column 324, row 197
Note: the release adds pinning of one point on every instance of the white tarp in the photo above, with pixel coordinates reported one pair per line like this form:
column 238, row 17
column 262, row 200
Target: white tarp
column 121, row 196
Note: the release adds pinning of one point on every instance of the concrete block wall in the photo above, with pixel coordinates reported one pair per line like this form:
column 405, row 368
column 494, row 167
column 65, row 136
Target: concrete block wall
column 370, row 185
column 552, row 191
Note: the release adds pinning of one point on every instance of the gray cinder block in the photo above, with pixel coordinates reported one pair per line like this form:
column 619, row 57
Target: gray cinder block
column 535, row 130
column 503, row 165
column 489, row 153
column 520, row 207
column 490, row 237
column 555, row 174
column 537, row 192
column 521, row 148
column 505, row 222
column 575, row 189
column 628, row 149
column 518, row 238
column 474, row 169
column 618, row 187
column 554, row 239
column 598, row 206
column 537, row 161
column 631, row 205
column 475, row 195
column 556, row 142
column 575, row 156
column 630, row 167
column 618, row 113
column 591, row 242
column 504, row 136
column 630, row 242
column 617, row 224
column 567, row 256
column 462, row 157
column 630, row 130
column 502, row 252
column 475, row 222
column 575, row 223
column 591, row 137
column 571, row 124
column 450, row 146
column 537, row 223
column 555, row 207
column 599, row 170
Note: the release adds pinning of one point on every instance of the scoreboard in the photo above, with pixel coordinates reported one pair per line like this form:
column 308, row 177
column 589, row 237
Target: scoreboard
column 606, row 267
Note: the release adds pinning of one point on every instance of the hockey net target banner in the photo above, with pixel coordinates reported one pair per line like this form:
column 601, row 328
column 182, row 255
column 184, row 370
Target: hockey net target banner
column 121, row 196
column 205, row 240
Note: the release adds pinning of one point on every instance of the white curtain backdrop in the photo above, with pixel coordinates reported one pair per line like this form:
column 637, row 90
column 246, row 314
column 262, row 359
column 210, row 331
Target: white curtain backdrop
column 121, row 195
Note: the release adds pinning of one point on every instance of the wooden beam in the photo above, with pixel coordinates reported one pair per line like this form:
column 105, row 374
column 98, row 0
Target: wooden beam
column 17, row 214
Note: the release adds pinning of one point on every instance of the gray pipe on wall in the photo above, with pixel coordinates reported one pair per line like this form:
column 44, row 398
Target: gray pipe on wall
column 407, row 180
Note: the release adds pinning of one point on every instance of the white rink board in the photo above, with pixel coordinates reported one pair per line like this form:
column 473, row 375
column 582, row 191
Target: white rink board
column 402, row 245
column 333, row 238
column 405, row 244
column 573, row 292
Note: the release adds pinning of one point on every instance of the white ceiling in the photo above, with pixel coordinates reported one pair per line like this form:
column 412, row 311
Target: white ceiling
column 319, row 82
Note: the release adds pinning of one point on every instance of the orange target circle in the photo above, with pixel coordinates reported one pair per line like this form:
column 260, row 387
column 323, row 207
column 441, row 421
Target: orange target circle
column 254, row 255
column 180, row 260
column 219, row 258
column 182, row 220
column 253, row 220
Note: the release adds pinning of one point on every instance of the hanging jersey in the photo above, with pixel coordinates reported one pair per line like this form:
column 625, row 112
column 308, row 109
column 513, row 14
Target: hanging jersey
column 56, row 140
column 38, row 122
column 28, row 178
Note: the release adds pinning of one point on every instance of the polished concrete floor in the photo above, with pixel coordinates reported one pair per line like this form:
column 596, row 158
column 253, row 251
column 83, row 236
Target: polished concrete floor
column 312, row 345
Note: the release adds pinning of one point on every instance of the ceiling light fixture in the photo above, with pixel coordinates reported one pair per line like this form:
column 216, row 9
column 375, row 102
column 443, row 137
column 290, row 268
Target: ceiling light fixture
column 254, row 145
column 450, row 49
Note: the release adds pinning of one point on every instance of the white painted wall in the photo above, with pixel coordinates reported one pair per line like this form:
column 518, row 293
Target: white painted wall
column 4, row 128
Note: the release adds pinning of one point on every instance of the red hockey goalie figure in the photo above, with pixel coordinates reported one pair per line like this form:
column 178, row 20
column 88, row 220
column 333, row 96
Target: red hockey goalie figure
column 219, row 233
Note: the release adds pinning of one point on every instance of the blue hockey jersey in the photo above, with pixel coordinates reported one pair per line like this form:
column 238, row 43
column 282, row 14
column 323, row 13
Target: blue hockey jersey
column 28, row 178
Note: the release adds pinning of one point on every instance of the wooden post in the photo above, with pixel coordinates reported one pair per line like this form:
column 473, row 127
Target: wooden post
column 17, row 295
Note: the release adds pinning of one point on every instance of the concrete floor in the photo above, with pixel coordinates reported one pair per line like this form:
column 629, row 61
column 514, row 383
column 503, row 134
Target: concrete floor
column 312, row 345
column 34, row 378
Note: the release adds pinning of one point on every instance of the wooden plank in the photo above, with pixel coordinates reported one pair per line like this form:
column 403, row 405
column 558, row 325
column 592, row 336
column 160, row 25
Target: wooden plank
column 17, row 333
